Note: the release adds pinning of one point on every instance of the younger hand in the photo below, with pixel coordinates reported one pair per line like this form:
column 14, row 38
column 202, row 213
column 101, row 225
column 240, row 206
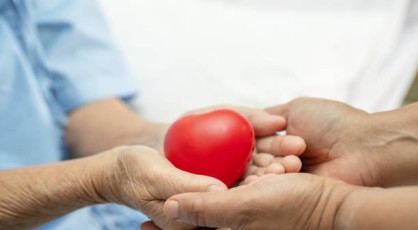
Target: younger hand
column 337, row 137
column 287, row 201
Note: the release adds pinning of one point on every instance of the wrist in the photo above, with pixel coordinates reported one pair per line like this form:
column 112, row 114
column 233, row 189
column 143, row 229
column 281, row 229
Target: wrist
column 149, row 134
column 392, row 141
column 34, row 195
column 332, row 199
column 105, row 179
column 76, row 185
column 122, row 171
column 157, row 135
column 345, row 217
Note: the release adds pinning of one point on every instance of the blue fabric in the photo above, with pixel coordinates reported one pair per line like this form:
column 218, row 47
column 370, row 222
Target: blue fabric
column 56, row 55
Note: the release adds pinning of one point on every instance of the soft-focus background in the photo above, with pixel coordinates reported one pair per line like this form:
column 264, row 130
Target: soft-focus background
column 194, row 53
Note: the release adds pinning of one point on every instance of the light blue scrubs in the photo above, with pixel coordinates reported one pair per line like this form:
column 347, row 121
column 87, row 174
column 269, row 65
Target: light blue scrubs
column 56, row 55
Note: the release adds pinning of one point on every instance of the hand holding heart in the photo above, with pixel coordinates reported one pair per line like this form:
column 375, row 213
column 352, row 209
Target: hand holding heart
column 263, row 127
column 218, row 142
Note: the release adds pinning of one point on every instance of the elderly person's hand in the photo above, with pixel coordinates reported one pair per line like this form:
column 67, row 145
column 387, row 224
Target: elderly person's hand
column 134, row 176
column 142, row 179
column 287, row 201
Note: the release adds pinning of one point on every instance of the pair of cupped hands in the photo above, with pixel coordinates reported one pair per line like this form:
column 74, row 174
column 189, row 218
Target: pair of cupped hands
column 318, row 142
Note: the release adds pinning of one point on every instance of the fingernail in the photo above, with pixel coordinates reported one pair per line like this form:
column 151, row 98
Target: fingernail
column 171, row 209
column 216, row 188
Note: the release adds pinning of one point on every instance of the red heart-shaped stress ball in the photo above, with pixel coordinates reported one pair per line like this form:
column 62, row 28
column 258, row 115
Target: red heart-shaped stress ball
column 217, row 144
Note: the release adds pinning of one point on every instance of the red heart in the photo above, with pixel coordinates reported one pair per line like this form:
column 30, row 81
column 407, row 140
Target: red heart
column 217, row 144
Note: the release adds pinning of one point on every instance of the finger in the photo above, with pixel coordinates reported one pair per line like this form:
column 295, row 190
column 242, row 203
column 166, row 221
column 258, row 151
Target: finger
column 263, row 159
column 265, row 124
column 213, row 209
column 251, row 170
column 281, row 145
column 275, row 168
column 280, row 110
column 155, row 209
column 250, row 179
column 254, row 170
column 149, row 225
column 265, row 163
column 292, row 164
column 179, row 181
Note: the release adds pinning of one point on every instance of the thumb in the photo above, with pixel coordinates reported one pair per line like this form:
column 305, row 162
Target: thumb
column 212, row 209
column 279, row 110
column 264, row 123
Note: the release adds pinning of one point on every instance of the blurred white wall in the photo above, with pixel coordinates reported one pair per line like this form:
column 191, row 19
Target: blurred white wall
column 193, row 53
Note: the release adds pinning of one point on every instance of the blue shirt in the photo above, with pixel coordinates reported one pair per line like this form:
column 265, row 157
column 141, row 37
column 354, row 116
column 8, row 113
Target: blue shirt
column 56, row 55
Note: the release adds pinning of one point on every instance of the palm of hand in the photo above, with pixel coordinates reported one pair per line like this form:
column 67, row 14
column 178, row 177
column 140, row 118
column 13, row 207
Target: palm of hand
column 142, row 179
column 330, row 131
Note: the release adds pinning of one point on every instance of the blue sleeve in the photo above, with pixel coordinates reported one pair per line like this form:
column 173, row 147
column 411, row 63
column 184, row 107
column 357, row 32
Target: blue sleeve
column 81, row 58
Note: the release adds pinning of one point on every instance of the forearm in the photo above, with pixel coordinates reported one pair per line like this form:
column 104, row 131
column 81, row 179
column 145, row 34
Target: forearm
column 395, row 149
column 32, row 196
column 373, row 208
column 109, row 123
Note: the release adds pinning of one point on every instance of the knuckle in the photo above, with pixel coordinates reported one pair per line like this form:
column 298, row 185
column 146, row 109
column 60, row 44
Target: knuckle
column 127, row 156
column 127, row 160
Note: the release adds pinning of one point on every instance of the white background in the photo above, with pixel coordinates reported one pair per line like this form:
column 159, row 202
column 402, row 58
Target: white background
column 188, row 54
